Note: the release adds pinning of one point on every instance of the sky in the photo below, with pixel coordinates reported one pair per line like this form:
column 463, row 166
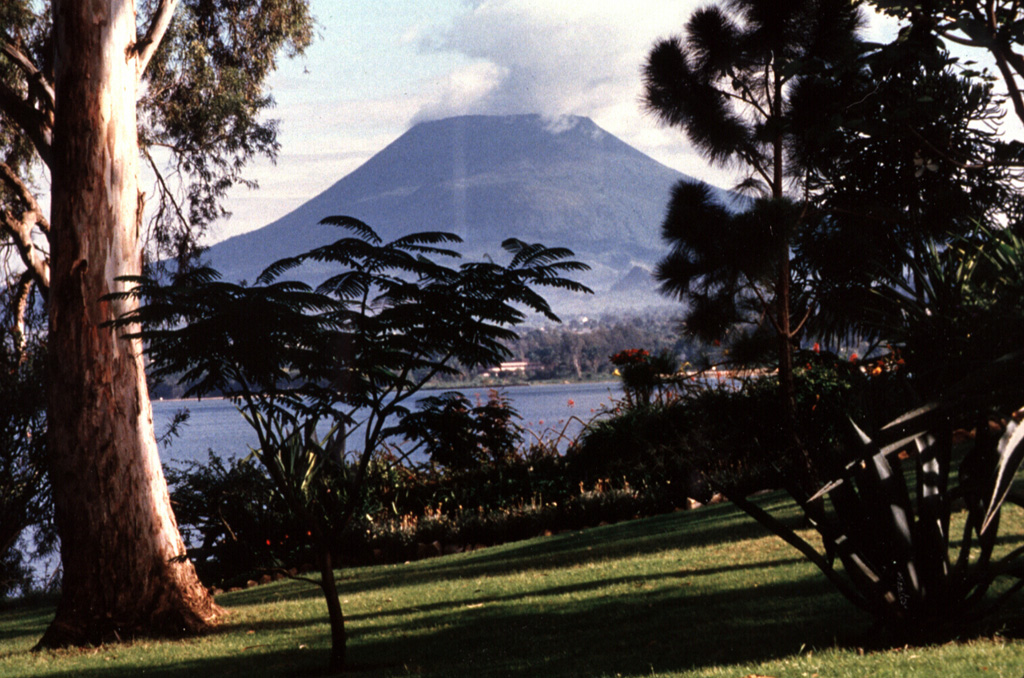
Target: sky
column 379, row 66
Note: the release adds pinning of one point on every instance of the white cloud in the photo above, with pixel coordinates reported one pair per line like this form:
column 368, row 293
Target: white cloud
column 558, row 58
column 565, row 59
column 462, row 91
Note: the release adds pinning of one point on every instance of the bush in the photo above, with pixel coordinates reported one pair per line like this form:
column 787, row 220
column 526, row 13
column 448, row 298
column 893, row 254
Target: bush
column 232, row 522
column 730, row 435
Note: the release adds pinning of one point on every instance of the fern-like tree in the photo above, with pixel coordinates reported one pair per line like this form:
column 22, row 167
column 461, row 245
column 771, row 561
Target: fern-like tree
column 314, row 369
column 726, row 83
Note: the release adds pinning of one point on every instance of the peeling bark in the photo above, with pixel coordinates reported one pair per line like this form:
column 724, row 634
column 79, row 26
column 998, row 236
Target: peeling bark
column 125, row 569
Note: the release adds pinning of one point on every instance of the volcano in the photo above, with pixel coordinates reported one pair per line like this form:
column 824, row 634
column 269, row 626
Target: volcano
column 564, row 183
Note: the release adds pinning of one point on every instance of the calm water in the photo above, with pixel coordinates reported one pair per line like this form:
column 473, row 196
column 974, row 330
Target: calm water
column 215, row 424
column 546, row 411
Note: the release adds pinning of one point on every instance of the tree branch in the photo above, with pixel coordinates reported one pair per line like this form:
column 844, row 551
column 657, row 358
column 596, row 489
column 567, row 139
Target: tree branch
column 146, row 47
column 803, row 321
column 14, row 182
column 35, row 76
column 20, row 229
column 1013, row 91
column 21, row 232
column 165, row 189
column 33, row 122
column 21, row 299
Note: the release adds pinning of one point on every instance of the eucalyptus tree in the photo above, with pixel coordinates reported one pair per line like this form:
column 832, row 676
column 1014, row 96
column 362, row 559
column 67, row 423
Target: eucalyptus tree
column 726, row 83
column 86, row 90
column 349, row 354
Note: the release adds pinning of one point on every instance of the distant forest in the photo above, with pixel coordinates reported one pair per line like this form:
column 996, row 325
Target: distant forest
column 579, row 349
column 576, row 350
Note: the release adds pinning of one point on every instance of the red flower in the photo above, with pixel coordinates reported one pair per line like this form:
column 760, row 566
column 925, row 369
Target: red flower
column 817, row 347
column 630, row 356
column 853, row 357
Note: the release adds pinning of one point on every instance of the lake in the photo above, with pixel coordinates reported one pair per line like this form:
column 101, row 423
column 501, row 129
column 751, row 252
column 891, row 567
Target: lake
column 546, row 411
column 214, row 423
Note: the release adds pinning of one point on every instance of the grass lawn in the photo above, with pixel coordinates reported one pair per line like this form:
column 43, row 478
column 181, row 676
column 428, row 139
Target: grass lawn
column 702, row 593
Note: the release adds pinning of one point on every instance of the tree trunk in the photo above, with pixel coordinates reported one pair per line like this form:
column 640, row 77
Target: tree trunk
column 125, row 569
column 334, row 613
column 783, row 294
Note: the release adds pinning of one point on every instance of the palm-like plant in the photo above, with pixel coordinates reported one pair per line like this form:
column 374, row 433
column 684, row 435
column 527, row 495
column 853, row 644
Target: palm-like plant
column 348, row 354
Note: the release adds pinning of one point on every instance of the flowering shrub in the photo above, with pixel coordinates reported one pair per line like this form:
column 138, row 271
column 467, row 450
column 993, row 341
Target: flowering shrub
column 644, row 378
column 630, row 356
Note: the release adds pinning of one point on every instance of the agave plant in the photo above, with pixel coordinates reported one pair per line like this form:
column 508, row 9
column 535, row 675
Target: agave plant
column 892, row 497
column 887, row 510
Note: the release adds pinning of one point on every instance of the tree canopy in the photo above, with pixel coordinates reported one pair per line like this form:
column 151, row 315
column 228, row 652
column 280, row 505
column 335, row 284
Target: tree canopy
column 202, row 111
column 990, row 25
column 727, row 84
column 902, row 153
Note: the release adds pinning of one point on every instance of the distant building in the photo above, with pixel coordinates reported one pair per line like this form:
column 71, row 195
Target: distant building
column 507, row 368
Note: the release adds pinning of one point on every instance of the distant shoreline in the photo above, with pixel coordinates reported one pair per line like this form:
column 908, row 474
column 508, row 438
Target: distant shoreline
column 454, row 386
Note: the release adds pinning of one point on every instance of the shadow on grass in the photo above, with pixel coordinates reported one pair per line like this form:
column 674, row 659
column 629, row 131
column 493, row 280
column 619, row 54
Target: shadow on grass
column 709, row 526
column 665, row 629
column 652, row 622
column 26, row 619
column 248, row 664
column 640, row 580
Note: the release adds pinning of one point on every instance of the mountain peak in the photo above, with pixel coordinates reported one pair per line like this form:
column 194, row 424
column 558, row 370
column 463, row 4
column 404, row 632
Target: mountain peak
column 560, row 181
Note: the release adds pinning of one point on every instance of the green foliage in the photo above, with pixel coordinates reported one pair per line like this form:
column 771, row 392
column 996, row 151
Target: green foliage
column 201, row 111
column 644, row 378
column 24, row 483
column 892, row 492
column 893, row 534
column 232, row 521
column 457, row 435
column 728, row 83
column 993, row 25
column 205, row 97
column 959, row 312
column 716, row 262
column 904, row 153
column 365, row 340
column 723, row 83
column 729, row 435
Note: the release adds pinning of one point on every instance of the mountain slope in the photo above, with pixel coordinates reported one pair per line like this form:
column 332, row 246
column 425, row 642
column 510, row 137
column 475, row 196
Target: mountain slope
column 567, row 183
